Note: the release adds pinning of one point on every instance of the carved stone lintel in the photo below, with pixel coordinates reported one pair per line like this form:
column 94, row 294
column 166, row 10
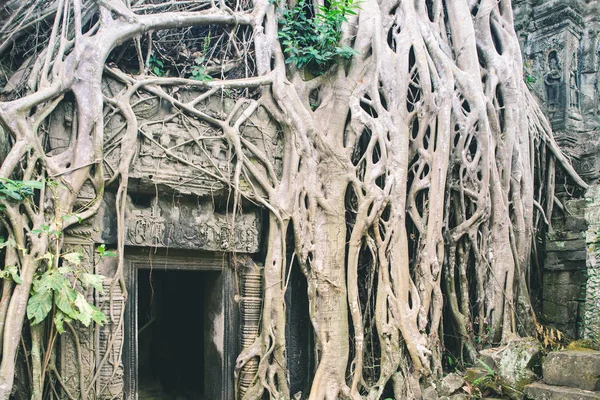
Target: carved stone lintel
column 190, row 225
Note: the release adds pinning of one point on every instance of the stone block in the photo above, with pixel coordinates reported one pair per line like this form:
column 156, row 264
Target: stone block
column 560, row 312
column 565, row 261
column 561, row 293
column 576, row 224
column 451, row 384
column 429, row 394
column 558, row 235
column 539, row 391
column 566, row 245
column 514, row 362
column 556, row 278
column 574, row 368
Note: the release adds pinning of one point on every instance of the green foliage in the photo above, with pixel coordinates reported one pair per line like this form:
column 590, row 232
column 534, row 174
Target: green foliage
column 314, row 42
column 57, row 289
column 17, row 190
column 157, row 66
column 11, row 272
column 199, row 71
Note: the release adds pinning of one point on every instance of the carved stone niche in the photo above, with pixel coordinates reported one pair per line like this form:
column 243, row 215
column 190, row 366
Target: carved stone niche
column 169, row 234
column 552, row 47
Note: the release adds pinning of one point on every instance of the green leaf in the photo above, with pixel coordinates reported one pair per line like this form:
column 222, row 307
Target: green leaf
column 85, row 310
column 92, row 280
column 487, row 367
column 73, row 258
column 98, row 316
column 13, row 272
column 38, row 306
column 33, row 184
column 59, row 319
column 65, row 300
column 12, row 194
column 50, row 280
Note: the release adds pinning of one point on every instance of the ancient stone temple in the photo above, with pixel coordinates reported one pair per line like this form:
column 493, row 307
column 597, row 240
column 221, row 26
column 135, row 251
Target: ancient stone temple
column 560, row 41
column 193, row 293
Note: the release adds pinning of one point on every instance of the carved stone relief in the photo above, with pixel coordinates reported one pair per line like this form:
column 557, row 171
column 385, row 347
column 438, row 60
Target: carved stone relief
column 186, row 154
column 190, row 225
column 77, row 354
column 553, row 81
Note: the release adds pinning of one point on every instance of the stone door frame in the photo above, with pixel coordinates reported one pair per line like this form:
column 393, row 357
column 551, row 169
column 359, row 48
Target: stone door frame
column 172, row 260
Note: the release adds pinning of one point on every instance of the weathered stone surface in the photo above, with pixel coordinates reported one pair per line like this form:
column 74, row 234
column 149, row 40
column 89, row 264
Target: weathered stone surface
column 187, row 155
column 561, row 312
column 450, row 384
column 556, row 258
column 574, row 368
column 177, row 222
column 514, row 362
column 539, row 391
column 591, row 319
column 565, row 245
column 429, row 394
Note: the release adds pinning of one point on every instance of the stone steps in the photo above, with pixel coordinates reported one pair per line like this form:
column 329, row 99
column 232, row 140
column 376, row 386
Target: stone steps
column 568, row 375
column 540, row 391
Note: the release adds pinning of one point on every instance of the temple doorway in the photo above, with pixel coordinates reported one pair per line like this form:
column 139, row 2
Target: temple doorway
column 171, row 333
column 178, row 346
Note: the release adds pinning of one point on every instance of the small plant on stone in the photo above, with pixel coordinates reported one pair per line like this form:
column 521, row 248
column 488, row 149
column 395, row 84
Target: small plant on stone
column 314, row 41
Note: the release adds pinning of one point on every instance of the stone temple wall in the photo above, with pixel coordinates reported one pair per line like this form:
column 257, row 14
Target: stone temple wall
column 560, row 40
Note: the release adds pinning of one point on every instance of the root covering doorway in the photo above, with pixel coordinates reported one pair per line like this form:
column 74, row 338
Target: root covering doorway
column 171, row 333
column 180, row 327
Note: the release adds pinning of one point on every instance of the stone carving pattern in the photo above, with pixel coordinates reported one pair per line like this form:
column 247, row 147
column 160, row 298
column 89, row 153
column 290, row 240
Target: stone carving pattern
column 191, row 226
column 553, row 80
column 69, row 358
column 110, row 342
column 574, row 92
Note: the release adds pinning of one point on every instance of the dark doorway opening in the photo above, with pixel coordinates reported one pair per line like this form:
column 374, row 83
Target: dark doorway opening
column 171, row 334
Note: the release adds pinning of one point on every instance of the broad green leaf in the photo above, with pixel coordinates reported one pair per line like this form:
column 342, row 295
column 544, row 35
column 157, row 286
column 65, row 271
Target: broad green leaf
column 73, row 258
column 12, row 194
column 38, row 306
column 33, row 184
column 101, row 249
column 50, row 280
column 85, row 310
column 59, row 319
column 92, row 280
column 65, row 270
column 65, row 299
column 13, row 271
column 97, row 315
